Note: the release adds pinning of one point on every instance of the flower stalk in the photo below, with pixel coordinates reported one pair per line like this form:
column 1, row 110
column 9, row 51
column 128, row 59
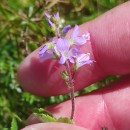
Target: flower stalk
column 66, row 51
column 70, row 84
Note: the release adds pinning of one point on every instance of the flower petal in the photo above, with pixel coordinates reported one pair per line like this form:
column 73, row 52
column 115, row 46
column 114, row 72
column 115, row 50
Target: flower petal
column 46, row 56
column 79, row 40
column 57, row 15
column 43, row 50
column 86, row 36
column 50, row 23
column 71, row 60
column 83, row 59
column 75, row 32
column 74, row 52
column 48, row 16
column 62, row 45
column 62, row 59
column 56, row 51
column 66, row 29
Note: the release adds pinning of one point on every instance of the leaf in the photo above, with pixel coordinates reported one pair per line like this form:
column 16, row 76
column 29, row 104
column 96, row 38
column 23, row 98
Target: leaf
column 32, row 46
column 65, row 120
column 30, row 11
column 5, row 129
column 14, row 125
column 47, row 118
column 44, row 115
column 42, row 111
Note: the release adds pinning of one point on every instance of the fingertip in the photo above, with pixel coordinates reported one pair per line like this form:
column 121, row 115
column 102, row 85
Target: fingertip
column 53, row 126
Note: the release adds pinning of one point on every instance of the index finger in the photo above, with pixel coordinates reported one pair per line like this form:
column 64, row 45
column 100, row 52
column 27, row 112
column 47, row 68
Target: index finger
column 110, row 47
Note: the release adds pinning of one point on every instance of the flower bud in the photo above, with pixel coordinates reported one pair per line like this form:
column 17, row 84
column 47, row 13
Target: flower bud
column 64, row 75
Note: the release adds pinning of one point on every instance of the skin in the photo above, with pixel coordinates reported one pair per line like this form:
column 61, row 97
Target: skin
column 110, row 48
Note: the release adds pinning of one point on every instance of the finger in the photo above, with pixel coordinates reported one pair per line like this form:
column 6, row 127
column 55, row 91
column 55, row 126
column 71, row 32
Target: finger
column 108, row 107
column 53, row 126
column 110, row 48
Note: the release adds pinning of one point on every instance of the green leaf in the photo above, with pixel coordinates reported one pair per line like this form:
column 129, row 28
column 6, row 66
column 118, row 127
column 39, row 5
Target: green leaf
column 42, row 111
column 5, row 129
column 44, row 115
column 65, row 120
column 14, row 125
column 32, row 46
column 64, row 75
column 47, row 118
column 30, row 11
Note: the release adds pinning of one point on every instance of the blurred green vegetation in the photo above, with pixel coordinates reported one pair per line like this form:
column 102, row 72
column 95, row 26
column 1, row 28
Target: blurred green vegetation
column 23, row 28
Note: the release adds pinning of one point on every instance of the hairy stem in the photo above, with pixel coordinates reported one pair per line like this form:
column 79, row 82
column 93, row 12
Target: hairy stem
column 72, row 101
column 70, row 84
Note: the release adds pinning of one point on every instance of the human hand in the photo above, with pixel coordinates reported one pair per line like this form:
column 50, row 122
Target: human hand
column 110, row 48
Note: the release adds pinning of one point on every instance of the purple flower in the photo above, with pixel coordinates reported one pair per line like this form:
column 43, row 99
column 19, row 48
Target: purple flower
column 46, row 55
column 66, row 48
column 50, row 22
column 74, row 52
column 77, row 40
column 64, row 51
column 43, row 49
column 46, row 51
column 66, row 29
column 87, row 36
column 83, row 59
column 57, row 15
column 48, row 16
